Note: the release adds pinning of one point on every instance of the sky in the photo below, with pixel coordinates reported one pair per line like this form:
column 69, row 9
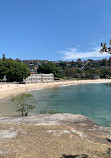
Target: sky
column 54, row 29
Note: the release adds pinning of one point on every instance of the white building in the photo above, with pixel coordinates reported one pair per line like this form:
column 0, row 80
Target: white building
column 39, row 78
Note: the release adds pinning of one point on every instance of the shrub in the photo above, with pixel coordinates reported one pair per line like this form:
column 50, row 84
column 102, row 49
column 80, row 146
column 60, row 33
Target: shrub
column 22, row 103
column 48, row 112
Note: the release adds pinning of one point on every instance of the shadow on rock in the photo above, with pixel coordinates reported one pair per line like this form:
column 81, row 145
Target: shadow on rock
column 75, row 156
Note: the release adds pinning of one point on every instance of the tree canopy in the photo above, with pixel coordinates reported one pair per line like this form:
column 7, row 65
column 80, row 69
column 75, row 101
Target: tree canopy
column 48, row 68
column 14, row 71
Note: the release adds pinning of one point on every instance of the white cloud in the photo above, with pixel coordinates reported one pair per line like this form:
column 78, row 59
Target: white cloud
column 73, row 53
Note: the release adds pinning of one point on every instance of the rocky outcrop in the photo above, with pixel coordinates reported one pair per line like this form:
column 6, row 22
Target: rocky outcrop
column 78, row 125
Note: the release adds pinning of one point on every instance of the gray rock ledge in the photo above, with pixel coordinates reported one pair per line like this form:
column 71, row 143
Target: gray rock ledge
column 77, row 124
column 45, row 119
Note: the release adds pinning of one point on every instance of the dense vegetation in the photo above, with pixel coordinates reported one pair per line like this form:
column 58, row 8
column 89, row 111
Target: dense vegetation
column 14, row 71
column 17, row 70
column 73, row 69
column 48, row 68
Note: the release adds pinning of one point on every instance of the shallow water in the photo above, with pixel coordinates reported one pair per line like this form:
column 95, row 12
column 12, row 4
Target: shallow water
column 7, row 108
column 92, row 100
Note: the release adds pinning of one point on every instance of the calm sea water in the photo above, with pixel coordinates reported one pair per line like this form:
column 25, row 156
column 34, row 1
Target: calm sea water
column 92, row 100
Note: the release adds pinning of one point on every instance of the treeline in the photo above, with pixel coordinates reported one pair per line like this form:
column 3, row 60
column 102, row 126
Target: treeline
column 72, row 69
column 17, row 70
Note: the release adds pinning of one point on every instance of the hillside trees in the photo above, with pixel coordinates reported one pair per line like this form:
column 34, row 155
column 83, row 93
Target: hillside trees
column 14, row 71
column 48, row 68
column 70, row 72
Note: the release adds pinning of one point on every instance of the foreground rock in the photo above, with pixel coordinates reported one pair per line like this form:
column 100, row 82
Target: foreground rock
column 76, row 123
column 53, row 136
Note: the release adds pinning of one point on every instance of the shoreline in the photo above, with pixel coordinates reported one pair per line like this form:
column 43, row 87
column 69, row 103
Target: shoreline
column 11, row 89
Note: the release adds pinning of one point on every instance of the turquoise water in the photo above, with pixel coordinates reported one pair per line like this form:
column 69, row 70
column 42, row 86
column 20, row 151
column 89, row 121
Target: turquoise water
column 92, row 100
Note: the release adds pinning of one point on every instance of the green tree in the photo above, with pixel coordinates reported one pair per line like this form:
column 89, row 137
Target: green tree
column 14, row 71
column 22, row 103
column 3, row 57
column 104, row 62
column 62, row 64
column 48, row 68
column 70, row 72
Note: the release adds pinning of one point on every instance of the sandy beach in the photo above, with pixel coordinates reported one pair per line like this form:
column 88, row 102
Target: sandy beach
column 11, row 89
